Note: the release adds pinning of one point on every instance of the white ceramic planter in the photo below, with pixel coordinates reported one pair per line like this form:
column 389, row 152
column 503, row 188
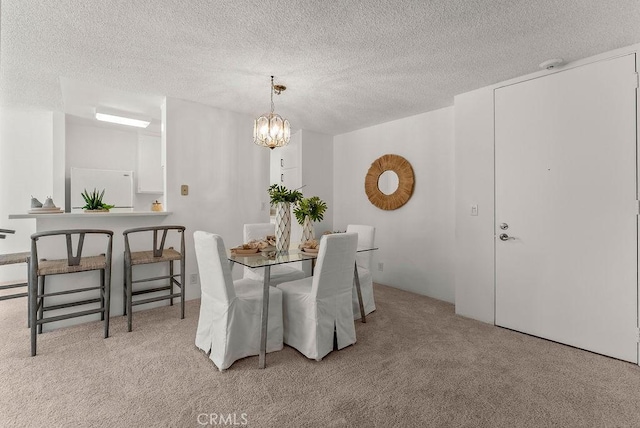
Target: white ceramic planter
column 283, row 226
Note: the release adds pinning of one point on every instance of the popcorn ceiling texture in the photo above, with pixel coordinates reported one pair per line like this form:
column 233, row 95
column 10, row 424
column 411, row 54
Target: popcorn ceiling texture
column 347, row 64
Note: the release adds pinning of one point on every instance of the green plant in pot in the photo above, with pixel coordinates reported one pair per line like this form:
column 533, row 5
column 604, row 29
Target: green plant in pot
column 93, row 201
column 307, row 211
column 282, row 198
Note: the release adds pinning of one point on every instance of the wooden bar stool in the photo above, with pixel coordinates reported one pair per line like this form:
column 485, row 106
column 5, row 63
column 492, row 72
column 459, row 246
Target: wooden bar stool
column 39, row 269
column 158, row 255
column 11, row 259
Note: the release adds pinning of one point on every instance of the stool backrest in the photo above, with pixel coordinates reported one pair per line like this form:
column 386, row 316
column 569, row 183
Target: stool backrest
column 72, row 259
column 157, row 249
column 4, row 231
column 213, row 266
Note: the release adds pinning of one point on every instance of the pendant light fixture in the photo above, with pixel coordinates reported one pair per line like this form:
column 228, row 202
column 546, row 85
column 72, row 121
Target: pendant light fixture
column 271, row 130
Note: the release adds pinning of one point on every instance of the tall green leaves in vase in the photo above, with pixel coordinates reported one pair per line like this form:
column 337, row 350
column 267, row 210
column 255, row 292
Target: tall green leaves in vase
column 307, row 211
column 93, row 201
column 279, row 193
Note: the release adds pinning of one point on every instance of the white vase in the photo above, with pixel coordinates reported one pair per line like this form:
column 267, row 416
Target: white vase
column 307, row 230
column 283, row 226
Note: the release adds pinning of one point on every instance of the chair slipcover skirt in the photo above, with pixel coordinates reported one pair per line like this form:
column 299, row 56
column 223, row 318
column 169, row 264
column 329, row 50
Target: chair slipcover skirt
column 316, row 307
column 230, row 311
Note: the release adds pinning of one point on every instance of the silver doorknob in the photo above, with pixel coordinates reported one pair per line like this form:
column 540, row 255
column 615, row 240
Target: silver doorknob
column 505, row 237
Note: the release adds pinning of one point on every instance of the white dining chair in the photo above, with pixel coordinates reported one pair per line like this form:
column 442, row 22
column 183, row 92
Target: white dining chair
column 279, row 273
column 230, row 311
column 319, row 307
column 364, row 259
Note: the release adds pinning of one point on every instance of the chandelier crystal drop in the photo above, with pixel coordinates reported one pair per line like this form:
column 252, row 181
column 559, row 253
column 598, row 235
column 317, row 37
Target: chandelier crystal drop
column 270, row 129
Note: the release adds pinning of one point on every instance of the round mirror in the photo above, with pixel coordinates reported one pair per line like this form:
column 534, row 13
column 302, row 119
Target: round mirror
column 388, row 182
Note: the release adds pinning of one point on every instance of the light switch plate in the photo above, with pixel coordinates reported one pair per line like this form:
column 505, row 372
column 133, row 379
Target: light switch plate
column 184, row 190
column 474, row 210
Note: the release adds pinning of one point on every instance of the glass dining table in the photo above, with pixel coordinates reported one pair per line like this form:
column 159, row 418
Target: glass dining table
column 267, row 259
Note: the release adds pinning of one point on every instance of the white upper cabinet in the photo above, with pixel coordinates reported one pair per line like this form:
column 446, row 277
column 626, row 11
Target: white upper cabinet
column 149, row 173
column 290, row 154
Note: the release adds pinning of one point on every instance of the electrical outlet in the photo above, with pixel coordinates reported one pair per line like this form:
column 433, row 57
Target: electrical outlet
column 184, row 190
column 380, row 266
column 194, row 279
column 474, row 210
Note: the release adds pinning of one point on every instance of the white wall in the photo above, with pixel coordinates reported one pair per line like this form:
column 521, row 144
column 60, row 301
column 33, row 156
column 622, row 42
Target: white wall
column 59, row 159
column 26, row 168
column 474, row 178
column 89, row 145
column 317, row 174
column 416, row 240
column 211, row 151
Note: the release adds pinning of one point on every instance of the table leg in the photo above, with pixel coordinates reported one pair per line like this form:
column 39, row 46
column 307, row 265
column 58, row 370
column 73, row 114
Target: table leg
column 356, row 279
column 262, row 359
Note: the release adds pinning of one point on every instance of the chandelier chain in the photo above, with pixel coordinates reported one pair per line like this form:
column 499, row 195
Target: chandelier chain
column 272, row 105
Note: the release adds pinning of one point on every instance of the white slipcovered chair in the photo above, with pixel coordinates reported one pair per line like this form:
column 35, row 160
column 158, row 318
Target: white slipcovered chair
column 318, row 307
column 279, row 273
column 366, row 239
column 230, row 311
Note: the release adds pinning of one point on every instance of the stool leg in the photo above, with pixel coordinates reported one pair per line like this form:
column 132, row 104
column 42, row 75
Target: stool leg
column 171, row 281
column 124, row 288
column 102, row 293
column 41, row 308
column 106, row 283
column 182, row 286
column 129, row 280
column 28, row 296
column 28, row 306
column 33, row 291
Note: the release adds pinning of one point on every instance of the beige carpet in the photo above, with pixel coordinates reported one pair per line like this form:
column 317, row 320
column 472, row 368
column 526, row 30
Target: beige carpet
column 416, row 364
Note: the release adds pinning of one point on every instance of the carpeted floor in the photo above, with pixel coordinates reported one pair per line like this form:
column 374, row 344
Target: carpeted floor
column 416, row 364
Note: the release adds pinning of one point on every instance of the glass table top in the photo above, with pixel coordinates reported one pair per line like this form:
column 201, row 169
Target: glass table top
column 269, row 258
column 272, row 258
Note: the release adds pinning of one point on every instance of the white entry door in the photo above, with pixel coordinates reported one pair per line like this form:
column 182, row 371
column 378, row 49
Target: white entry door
column 565, row 148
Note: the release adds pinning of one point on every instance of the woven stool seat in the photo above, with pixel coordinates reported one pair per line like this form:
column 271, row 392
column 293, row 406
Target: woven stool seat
column 54, row 267
column 145, row 257
column 13, row 258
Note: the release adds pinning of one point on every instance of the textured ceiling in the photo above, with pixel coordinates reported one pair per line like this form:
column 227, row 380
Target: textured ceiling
column 347, row 64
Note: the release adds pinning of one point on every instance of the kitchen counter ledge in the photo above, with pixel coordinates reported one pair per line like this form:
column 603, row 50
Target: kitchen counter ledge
column 92, row 215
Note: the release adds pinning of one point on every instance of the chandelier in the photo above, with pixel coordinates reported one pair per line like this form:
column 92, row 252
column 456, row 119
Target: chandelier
column 271, row 130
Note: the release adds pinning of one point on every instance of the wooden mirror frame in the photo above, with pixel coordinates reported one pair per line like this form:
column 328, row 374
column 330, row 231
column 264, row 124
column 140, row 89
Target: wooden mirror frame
column 406, row 180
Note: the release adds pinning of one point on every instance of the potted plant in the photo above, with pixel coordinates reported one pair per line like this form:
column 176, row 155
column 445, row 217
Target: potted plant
column 307, row 211
column 93, row 201
column 282, row 198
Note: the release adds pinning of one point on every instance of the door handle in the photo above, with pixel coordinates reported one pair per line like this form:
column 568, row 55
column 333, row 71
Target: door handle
column 505, row 237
